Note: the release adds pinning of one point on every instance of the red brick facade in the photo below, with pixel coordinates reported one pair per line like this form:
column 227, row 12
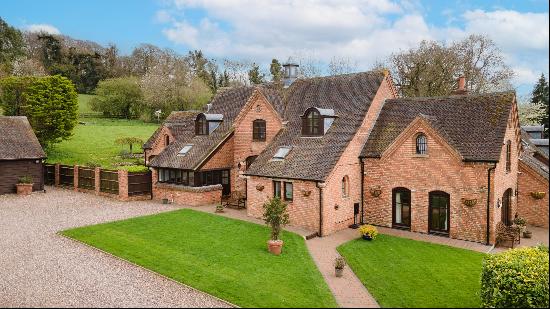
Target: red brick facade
column 441, row 169
column 535, row 211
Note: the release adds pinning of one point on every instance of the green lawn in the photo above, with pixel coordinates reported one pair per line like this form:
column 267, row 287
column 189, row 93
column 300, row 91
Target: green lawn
column 401, row 272
column 94, row 142
column 224, row 257
column 84, row 104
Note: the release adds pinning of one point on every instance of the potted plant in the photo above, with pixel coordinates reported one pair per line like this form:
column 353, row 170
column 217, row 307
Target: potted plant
column 275, row 216
column 520, row 222
column 368, row 232
column 527, row 234
column 24, row 185
column 339, row 264
column 219, row 208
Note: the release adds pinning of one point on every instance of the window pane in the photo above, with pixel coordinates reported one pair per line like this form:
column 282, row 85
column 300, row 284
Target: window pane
column 277, row 189
column 288, row 191
column 192, row 179
column 184, row 179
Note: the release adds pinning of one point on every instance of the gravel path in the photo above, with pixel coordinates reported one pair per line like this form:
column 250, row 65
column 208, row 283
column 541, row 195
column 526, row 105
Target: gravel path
column 39, row 268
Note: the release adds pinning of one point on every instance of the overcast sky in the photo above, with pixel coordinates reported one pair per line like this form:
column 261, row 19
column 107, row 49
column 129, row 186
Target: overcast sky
column 364, row 31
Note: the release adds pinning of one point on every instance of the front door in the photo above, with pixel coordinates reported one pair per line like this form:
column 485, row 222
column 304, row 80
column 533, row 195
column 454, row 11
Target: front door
column 225, row 182
column 506, row 212
column 439, row 213
column 401, row 202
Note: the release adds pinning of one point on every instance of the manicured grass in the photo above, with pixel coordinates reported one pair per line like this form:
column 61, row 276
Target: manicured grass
column 84, row 104
column 94, row 142
column 401, row 272
column 224, row 257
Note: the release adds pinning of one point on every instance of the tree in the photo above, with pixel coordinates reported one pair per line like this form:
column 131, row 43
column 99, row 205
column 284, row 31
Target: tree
column 530, row 113
column 254, row 75
column 540, row 97
column 341, row 65
column 130, row 141
column 432, row 69
column 52, row 108
column 276, row 71
column 203, row 68
column 118, row 97
column 12, row 94
column 11, row 46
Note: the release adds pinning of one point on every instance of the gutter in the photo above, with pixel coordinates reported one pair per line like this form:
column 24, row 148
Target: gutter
column 362, row 189
column 320, row 186
column 488, row 200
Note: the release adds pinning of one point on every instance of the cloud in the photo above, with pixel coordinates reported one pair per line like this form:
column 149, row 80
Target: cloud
column 47, row 28
column 365, row 31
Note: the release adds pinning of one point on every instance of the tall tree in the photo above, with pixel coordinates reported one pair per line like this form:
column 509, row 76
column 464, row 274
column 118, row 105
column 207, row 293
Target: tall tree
column 432, row 69
column 276, row 71
column 203, row 68
column 341, row 65
column 11, row 46
column 118, row 97
column 12, row 94
column 255, row 77
column 540, row 97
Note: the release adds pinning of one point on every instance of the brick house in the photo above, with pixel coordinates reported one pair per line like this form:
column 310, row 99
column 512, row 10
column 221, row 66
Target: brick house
column 533, row 177
column 328, row 145
column 20, row 154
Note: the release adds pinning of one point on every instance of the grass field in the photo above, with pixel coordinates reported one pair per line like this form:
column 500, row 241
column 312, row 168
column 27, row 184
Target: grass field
column 224, row 257
column 84, row 104
column 400, row 272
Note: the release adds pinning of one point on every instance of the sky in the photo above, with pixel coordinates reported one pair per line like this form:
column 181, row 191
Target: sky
column 364, row 31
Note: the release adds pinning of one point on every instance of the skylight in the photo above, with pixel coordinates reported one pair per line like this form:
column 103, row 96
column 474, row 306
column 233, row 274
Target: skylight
column 281, row 153
column 185, row 150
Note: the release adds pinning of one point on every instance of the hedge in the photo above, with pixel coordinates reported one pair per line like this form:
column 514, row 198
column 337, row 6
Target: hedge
column 516, row 278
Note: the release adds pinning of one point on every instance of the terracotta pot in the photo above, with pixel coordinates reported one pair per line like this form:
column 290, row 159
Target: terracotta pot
column 275, row 246
column 24, row 188
column 339, row 272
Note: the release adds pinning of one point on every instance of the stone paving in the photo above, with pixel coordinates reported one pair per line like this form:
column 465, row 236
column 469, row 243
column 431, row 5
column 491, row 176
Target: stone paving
column 39, row 268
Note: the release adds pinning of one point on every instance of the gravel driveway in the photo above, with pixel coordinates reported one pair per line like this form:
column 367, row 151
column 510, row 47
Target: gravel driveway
column 39, row 268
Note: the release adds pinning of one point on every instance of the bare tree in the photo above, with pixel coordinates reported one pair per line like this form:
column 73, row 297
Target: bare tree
column 341, row 65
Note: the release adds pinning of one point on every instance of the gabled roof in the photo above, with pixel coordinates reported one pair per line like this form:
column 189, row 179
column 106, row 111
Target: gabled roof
column 228, row 103
column 474, row 125
column 529, row 155
column 313, row 158
column 17, row 139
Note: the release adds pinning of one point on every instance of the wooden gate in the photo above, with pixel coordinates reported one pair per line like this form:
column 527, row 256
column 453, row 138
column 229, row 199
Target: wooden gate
column 49, row 174
column 86, row 178
column 108, row 181
column 139, row 183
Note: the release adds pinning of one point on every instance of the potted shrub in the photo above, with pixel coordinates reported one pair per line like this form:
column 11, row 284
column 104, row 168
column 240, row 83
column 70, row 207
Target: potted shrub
column 520, row 222
column 339, row 264
column 368, row 232
column 219, row 208
column 24, row 185
column 276, row 216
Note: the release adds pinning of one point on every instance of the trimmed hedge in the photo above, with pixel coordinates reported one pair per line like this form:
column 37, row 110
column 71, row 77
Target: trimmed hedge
column 516, row 278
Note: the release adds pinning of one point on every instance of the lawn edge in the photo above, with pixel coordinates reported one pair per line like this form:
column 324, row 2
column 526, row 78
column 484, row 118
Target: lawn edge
column 60, row 233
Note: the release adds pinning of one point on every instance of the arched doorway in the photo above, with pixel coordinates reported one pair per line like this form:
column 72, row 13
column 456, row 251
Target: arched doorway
column 506, row 208
column 439, row 213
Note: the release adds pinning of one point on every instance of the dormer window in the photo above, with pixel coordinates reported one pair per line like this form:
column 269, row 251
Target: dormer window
column 207, row 123
column 317, row 121
column 281, row 153
column 185, row 150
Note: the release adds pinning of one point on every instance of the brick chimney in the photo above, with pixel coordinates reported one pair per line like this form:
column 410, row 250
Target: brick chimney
column 461, row 86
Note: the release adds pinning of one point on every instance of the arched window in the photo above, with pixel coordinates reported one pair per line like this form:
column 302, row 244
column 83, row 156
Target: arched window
column 421, row 144
column 345, row 186
column 201, row 125
column 311, row 123
column 258, row 130
column 508, row 156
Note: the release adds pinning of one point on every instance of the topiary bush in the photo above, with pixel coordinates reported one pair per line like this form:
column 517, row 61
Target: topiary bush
column 517, row 278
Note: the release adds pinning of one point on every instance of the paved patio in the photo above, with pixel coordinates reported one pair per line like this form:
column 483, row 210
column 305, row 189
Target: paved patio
column 39, row 268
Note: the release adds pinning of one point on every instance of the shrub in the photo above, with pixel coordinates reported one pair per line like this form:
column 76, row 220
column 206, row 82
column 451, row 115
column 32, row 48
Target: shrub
column 276, row 216
column 25, row 179
column 517, row 278
column 339, row 263
column 369, row 230
column 520, row 221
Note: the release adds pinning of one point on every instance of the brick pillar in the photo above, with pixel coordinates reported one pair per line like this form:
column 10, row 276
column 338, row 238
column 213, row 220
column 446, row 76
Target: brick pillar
column 123, row 185
column 154, row 179
column 75, row 177
column 56, row 174
column 97, row 180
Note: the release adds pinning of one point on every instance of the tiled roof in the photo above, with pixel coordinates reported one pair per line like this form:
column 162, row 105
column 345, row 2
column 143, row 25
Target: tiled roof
column 313, row 158
column 473, row 124
column 17, row 139
column 529, row 154
column 228, row 103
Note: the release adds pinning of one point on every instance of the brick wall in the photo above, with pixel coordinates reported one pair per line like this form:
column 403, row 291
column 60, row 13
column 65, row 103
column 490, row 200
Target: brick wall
column 504, row 180
column 303, row 210
column 158, row 145
column 183, row 195
column 535, row 211
column 440, row 170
